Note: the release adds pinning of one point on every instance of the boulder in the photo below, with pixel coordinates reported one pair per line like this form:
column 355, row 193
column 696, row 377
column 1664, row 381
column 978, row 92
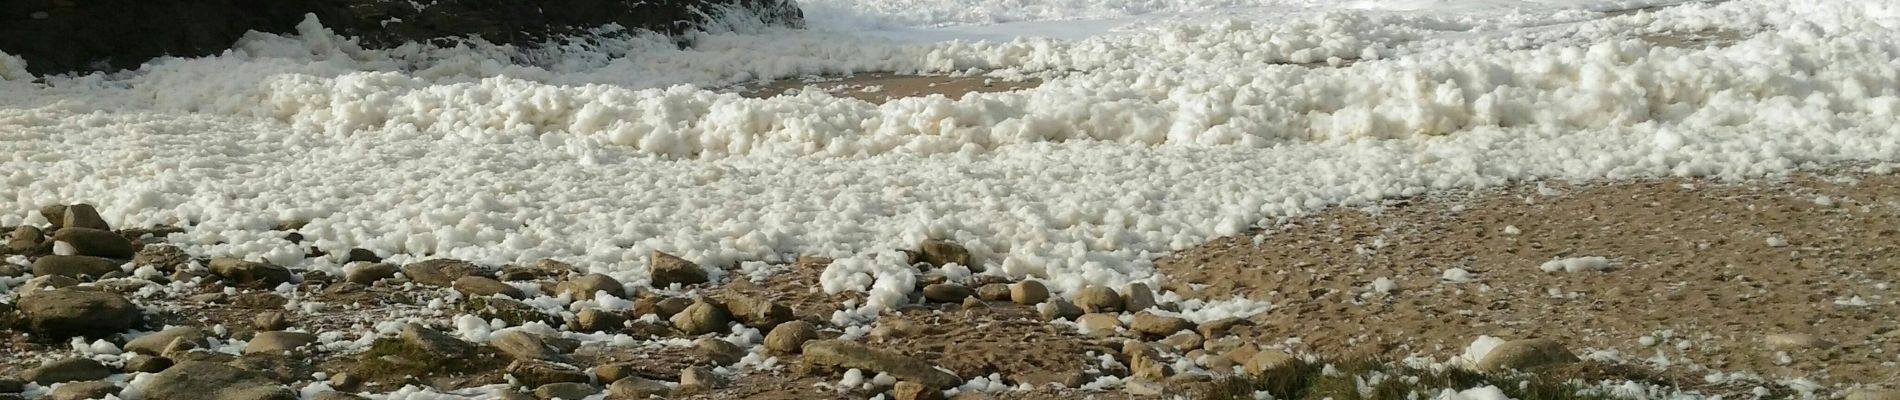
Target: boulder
column 431, row 341
column 1138, row 298
column 635, row 388
column 907, row 390
column 666, row 269
column 583, row 287
column 81, row 215
column 1028, row 293
column 790, row 337
column 67, row 370
column 199, row 380
column 719, row 351
column 145, row 363
column 75, row 266
column 939, row 253
column 477, row 286
column 1526, row 353
column 83, row 391
column 524, row 346
column 87, row 36
column 947, row 292
column 154, row 344
column 993, row 292
column 842, row 354
column 597, row 320
column 701, row 318
column 243, row 272
column 536, row 373
column 25, row 240
column 1100, row 324
column 164, row 258
column 440, row 272
column 565, row 391
column 94, row 242
column 696, row 380
column 1155, row 325
column 1097, row 299
column 278, row 342
column 1056, row 309
column 65, row 313
column 757, row 311
column 368, row 273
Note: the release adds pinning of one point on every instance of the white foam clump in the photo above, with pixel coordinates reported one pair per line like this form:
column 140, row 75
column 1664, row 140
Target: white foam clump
column 1456, row 275
column 1478, row 393
column 1146, row 142
column 1479, row 348
column 1576, row 264
column 472, row 328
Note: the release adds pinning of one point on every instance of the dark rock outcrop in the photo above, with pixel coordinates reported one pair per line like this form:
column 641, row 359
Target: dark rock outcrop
column 66, row 35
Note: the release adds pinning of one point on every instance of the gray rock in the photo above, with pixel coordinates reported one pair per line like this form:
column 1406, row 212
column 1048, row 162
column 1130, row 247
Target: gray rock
column 83, row 391
column 947, row 292
column 523, row 346
column 249, row 273
column 1028, row 293
column 701, row 318
column 666, row 269
column 1056, row 309
column 477, row 286
column 145, row 363
column 440, row 272
column 939, row 253
column 432, row 341
column 565, row 391
column 1139, row 298
column 993, row 292
column 790, row 337
column 1217, row 328
column 83, row 216
column 535, row 373
column 199, row 380
column 364, row 274
column 597, row 320
column 1097, row 298
column 1154, row 325
column 67, row 370
column 65, row 313
column 844, row 354
column 1526, row 353
column 75, row 266
column 583, row 287
column 634, row 387
column 668, row 307
column 154, row 344
column 278, row 342
column 95, row 242
column 25, row 240
column 13, row 271
column 165, row 258
column 718, row 351
column 757, row 311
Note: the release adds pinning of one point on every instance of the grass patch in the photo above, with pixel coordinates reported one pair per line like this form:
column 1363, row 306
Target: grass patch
column 1375, row 379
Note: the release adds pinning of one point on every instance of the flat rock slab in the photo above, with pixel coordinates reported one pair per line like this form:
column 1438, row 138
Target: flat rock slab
column 852, row 355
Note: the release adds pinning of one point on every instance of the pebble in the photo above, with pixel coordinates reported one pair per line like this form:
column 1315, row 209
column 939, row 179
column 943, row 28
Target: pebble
column 1056, row 309
column 1100, row 324
column 757, row 311
column 536, row 373
column 597, row 320
column 907, row 390
column 524, row 346
column 696, row 380
column 993, row 292
column 270, row 321
column 666, row 269
column 1183, row 342
column 440, row 272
